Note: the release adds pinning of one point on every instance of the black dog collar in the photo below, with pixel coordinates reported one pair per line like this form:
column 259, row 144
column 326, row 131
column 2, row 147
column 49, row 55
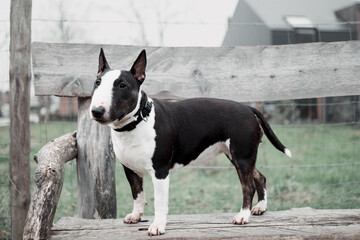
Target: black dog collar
column 142, row 114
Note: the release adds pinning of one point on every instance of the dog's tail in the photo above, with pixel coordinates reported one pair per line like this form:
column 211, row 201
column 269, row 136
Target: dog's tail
column 270, row 134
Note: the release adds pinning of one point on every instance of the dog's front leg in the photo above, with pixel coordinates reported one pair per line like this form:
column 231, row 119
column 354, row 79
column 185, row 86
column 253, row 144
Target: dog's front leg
column 161, row 192
column 136, row 184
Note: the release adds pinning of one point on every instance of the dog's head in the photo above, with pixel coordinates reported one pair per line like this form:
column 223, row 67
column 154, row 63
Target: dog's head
column 116, row 93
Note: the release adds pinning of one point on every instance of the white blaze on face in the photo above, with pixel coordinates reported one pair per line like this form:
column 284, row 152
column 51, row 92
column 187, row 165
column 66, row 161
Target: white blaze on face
column 102, row 96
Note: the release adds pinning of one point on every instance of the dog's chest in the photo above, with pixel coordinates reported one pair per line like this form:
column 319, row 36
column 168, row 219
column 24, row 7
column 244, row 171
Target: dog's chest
column 135, row 148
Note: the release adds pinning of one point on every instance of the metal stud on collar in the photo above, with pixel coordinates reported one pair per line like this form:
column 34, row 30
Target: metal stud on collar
column 144, row 118
column 147, row 107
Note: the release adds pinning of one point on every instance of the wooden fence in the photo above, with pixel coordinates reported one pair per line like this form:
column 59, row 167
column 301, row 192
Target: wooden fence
column 243, row 74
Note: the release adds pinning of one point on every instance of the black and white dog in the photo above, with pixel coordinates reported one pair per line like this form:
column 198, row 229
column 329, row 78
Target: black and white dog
column 155, row 137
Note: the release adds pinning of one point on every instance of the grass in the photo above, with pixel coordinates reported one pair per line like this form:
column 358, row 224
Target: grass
column 323, row 173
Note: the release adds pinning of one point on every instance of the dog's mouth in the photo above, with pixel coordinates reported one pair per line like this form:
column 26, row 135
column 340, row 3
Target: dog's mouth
column 104, row 121
column 121, row 117
column 101, row 120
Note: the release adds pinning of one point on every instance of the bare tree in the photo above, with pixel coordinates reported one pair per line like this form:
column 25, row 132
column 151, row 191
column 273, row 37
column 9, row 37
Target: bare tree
column 163, row 16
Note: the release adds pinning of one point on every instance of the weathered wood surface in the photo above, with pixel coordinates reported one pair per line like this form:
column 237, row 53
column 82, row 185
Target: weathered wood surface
column 20, row 79
column 49, row 179
column 301, row 223
column 95, row 167
column 259, row 73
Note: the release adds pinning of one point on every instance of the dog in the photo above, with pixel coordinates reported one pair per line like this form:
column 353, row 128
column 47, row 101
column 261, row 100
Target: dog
column 155, row 137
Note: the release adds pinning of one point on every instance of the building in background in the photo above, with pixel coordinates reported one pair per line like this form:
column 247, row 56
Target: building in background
column 259, row 22
column 351, row 14
column 276, row 22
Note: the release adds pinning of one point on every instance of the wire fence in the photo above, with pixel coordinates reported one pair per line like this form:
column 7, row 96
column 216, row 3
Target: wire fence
column 322, row 174
column 324, row 137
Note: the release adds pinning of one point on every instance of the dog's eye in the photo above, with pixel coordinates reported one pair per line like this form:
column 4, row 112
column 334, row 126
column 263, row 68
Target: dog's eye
column 98, row 82
column 119, row 83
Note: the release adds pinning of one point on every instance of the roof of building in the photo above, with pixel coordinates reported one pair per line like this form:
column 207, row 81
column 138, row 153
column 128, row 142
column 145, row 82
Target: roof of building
column 319, row 12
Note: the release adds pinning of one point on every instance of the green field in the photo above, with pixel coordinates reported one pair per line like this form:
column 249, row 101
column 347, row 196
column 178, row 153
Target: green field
column 323, row 173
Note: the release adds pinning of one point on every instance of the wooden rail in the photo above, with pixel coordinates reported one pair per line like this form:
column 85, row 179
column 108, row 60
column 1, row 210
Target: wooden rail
column 300, row 223
column 243, row 74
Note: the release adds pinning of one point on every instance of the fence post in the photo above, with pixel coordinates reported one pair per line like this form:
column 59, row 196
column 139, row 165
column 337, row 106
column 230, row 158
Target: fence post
column 20, row 78
column 95, row 167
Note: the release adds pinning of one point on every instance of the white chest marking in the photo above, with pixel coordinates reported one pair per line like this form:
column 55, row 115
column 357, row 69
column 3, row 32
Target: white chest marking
column 135, row 148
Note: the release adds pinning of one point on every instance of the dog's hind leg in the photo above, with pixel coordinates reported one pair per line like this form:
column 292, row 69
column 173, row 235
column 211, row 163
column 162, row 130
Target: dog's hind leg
column 138, row 193
column 244, row 168
column 260, row 184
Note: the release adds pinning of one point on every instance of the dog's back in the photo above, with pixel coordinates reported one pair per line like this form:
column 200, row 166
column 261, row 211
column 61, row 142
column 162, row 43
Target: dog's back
column 188, row 127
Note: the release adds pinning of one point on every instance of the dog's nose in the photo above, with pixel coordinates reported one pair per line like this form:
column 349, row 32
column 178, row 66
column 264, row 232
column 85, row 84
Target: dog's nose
column 98, row 112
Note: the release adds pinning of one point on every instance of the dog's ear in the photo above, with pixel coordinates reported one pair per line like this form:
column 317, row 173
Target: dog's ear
column 138, row 68
column 103, row 64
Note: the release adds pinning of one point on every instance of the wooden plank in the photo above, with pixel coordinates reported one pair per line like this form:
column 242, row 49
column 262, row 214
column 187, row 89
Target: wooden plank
column 259, row 73
column 95, row 167
column 20, row 79
column 49, row 179
column 301, row 223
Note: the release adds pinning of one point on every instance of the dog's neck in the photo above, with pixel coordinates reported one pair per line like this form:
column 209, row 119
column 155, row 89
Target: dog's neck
column 141, row 115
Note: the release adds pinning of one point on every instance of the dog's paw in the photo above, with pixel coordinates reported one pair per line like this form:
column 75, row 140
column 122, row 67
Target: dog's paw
column 259, row 208
column 156, row 228
column 242, row 218
column 132, row 218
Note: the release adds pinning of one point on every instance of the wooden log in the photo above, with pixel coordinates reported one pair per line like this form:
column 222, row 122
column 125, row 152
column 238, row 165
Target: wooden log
column 95, row 167
column 49, row 178
column 244, row 74
column 299, row 223
column 20, row 79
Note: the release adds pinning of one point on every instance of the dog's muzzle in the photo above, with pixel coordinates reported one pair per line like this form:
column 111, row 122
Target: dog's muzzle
column 97, row 112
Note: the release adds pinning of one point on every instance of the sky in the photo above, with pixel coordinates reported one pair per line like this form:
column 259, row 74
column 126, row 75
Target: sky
column 139, row 22
column 125, row 22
